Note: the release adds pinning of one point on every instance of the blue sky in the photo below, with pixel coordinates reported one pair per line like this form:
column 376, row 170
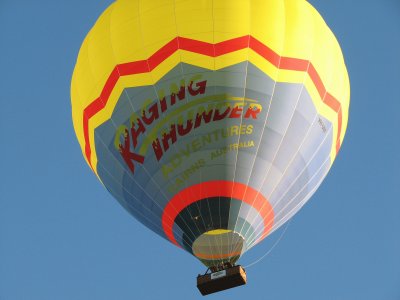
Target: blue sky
column 62, row 236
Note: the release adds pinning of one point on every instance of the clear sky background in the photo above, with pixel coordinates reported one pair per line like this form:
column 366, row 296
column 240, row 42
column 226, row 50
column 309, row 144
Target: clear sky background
column 62, row 236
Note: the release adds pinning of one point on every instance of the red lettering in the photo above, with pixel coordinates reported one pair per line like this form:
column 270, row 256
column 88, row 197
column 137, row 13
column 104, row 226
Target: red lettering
column 206, row 116
column 136, row 132
column 184, row 131
column 169, row 136
column 236, row 112
column 181, row 95
column 218, row 116
column 153, row 110
column 201, row 88
column 129, row 156
column 252, row 112
column 163, row 103
column 157, row 149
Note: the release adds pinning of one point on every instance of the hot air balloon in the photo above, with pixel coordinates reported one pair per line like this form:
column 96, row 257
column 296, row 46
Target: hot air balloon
column 211, row 122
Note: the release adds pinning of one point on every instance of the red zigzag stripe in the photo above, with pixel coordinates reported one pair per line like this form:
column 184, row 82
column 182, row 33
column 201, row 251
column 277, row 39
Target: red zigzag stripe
column 212, row 50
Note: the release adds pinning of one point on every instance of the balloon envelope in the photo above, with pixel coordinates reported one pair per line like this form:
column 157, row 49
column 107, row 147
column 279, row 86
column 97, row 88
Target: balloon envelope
column 211, row 122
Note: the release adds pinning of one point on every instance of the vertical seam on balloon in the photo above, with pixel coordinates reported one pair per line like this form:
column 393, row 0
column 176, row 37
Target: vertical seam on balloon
column 304, row 66
column 214, row 67
column 183, row 76
column 241, row 118
column 156, row 59
column 272, row 97
column 156, row 63
column 200, row 174
column 187, row 101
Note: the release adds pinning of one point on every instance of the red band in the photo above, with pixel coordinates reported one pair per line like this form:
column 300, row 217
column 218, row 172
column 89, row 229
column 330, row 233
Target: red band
column 212, row 50
column 218, row 188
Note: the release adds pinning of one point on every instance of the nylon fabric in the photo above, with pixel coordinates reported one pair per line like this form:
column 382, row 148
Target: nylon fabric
column 239, row 106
